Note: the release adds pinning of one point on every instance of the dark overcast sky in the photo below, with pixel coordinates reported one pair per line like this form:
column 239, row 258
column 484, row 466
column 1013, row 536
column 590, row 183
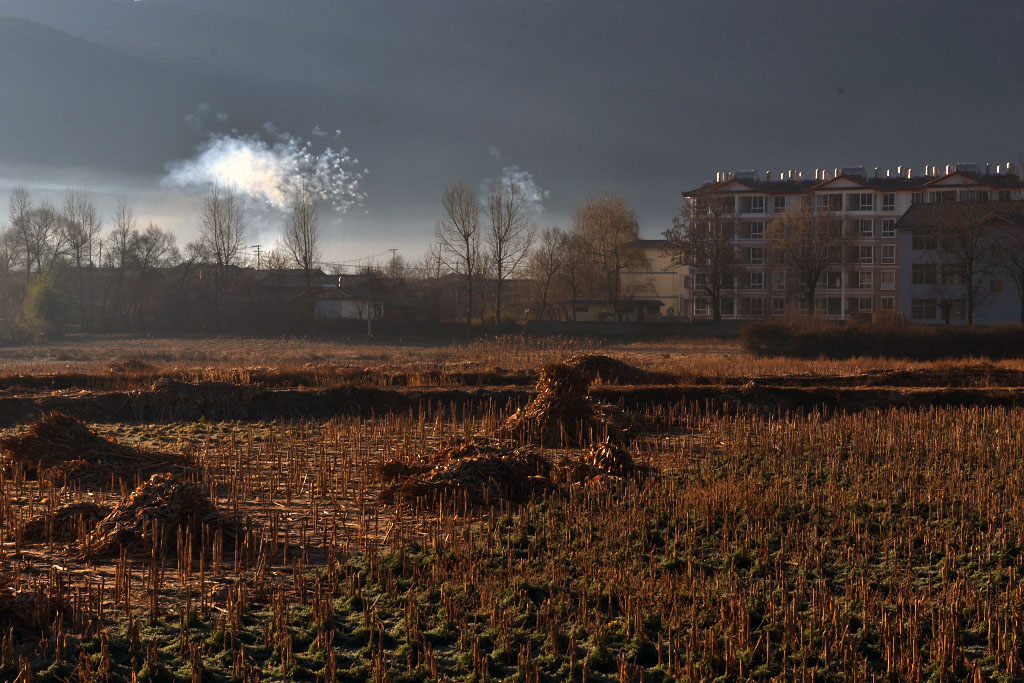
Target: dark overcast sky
column 649, row 98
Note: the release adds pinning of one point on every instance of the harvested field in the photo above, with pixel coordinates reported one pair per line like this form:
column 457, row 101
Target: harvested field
column 772, row 519
column 63, row 449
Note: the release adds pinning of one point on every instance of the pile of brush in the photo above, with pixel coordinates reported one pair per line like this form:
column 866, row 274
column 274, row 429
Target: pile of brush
column 479, row 472
column 563, row 414
column 65, row 523
column 166, row 511
column 596, row 366
column 61, row 448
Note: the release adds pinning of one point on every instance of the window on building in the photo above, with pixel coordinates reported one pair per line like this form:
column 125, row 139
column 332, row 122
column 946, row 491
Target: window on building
column 835, row 306
column 802, row 305
column 1004, row 195
column 866, row 227
column 888, row 253
column 958, row 309
column 917, row 197
column 702, row 307
column 757, row 230
column 924, row 239
column 757, row 280
column 865, row 279
column 951, row 274
column 700, row 280
column 866, row 253
column 828, row 202
column 752, row 204
column 888, row 279
column 833, row 279
column 865, row 304
column 889, row 201
column 726, row 305
column 860, row 201
column 887, row 303
column 972, row 195
column 923, row 273
column 778, row 305
column 996, row 286
column 821, row 305
column 778, row 204
column 941, row 196
column 779, row 279
column 583, row 309
column 888, row 227
column 922, row 309
column 756, row 306
column 756, row 256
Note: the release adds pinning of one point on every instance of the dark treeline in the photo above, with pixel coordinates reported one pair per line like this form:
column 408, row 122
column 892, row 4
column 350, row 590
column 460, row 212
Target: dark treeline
column 64, row 266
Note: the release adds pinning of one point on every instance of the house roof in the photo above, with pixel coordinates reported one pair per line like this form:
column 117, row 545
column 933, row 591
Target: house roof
column 932, row 215
column 891, row 183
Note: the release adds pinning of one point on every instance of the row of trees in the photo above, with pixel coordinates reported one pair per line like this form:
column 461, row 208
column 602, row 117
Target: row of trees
column 117, row 273
column 489, row 259
column 495, row 240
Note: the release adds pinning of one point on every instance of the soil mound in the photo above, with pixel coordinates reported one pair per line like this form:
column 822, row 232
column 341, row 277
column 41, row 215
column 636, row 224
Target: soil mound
column 563, row 414
column 159, row 512
column 132, row 366
column 610, row 370
column 64, row 523
column 482, row 472
column 171, row 399
column 60, row 447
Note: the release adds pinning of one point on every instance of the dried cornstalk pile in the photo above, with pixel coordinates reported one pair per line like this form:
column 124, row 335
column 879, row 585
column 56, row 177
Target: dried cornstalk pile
column 160, row 512
column 481, row 472
column 28, row 614
column 563, row 414
column 611, row 458
column 613, row 371
column 171, row 399
column 63, row 524
column 60, row 447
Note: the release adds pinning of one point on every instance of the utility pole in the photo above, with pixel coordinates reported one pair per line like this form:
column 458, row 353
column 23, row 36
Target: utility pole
column 259, row 262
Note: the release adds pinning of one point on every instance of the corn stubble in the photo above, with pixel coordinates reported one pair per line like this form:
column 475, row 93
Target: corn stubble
column 881, row 545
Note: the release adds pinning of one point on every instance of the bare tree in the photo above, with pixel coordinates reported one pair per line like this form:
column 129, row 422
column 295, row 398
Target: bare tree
column 45, row 243
column 807, row 242
column 19, row 210
column 277, row 259
column 458, row 237
column 703, row 236
column 510, row 235
column 1010, row 250
column 608, row 226
column 155, row 248
column 81, row 226
column 965, row 254
column 302, row 233
column 222, row 228
column 8, row 264
column 546, row 264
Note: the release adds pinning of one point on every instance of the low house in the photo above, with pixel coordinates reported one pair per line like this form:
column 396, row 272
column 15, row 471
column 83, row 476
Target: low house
column 657, row 277
column 624, row 310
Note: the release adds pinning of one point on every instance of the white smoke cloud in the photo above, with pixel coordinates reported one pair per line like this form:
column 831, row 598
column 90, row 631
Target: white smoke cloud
column 535, row 196
column 268, row 174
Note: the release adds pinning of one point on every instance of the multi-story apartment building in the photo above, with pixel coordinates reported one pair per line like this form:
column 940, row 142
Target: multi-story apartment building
column 864, row 278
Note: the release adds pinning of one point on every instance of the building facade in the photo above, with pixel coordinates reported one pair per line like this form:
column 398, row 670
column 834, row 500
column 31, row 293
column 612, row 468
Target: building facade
column 863, row 280
column 961, row 262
